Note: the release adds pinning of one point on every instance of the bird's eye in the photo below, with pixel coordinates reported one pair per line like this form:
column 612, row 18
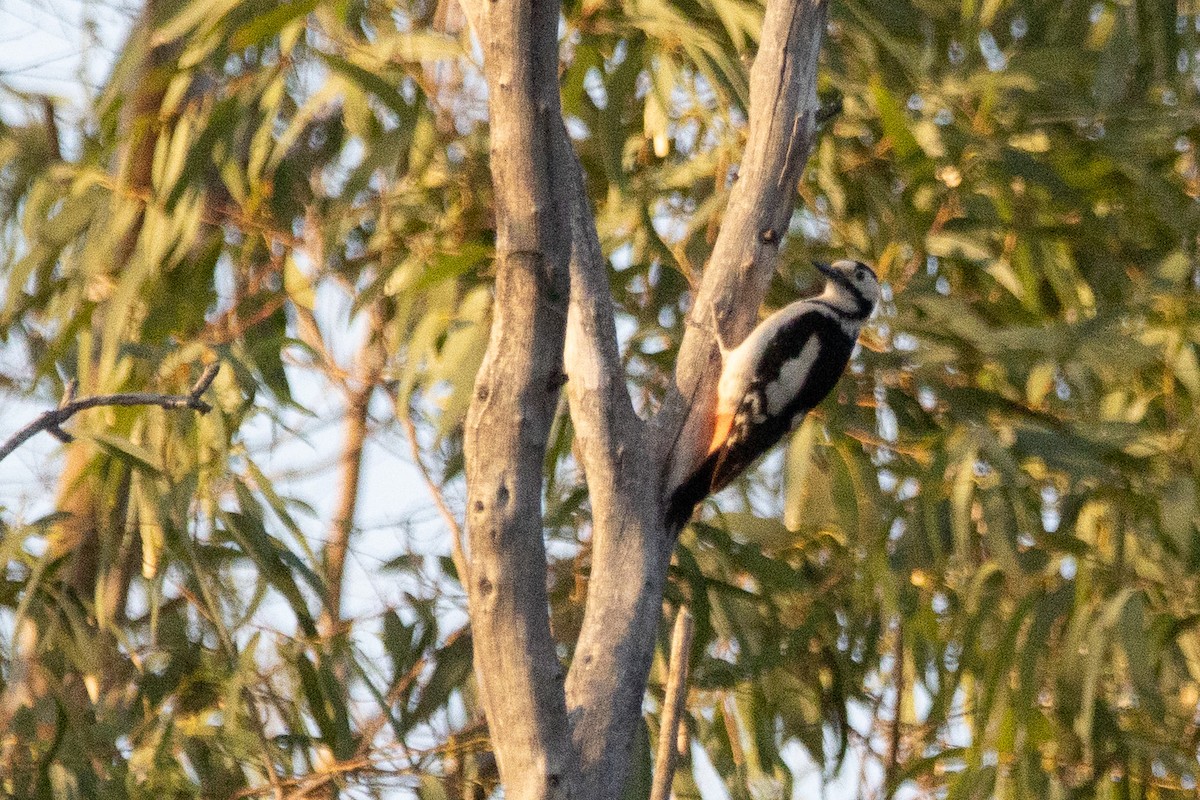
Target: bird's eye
column 859, row 275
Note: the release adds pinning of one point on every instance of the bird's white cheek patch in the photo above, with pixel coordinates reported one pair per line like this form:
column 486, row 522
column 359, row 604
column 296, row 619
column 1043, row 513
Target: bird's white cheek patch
column 792, row 376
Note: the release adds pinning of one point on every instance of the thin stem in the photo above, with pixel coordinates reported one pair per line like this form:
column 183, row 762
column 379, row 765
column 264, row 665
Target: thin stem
column 673, row 705
column 457, row 553
column 893, row 755
column 371, row 360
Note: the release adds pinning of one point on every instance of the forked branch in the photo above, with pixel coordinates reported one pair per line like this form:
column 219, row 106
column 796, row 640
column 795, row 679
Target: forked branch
column 52, row 421
column 545, row 233
column 631, row 549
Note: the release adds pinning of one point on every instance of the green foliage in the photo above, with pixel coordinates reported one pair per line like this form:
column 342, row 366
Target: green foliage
column 990, row 531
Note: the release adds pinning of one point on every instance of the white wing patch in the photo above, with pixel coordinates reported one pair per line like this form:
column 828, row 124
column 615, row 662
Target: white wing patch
column 792, row 377
column 742, row 362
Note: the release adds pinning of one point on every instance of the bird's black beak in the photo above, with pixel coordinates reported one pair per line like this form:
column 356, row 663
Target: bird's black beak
column 827, row 270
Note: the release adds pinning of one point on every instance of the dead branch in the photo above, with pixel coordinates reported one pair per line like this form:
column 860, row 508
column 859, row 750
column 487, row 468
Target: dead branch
column 51, row 421
column 674, row 703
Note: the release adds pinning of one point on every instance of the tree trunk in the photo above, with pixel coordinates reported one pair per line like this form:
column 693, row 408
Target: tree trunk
column 545, row 233
column 515, row 397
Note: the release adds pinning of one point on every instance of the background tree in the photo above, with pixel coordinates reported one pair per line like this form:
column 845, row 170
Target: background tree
column 983, row 581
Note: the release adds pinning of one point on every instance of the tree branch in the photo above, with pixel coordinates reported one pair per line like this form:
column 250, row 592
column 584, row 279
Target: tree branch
column 601, row 409
column 369, row 367
column 540, row 207
column 674, row 702
column 514, row 403
column 783, row 108
column 52, row 421
column 607, row 679
column 630, row 548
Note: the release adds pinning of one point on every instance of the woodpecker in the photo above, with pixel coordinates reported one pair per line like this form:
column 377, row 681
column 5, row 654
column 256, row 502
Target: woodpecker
column 777, row 375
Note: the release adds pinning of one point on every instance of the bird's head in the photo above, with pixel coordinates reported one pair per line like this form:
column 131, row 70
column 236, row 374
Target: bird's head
column 852, row 281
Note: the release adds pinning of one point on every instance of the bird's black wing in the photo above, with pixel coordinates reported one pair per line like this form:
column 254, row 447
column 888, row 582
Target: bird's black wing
column 757, row 427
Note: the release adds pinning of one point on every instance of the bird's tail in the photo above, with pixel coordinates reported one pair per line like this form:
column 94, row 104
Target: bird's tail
column 688, row 494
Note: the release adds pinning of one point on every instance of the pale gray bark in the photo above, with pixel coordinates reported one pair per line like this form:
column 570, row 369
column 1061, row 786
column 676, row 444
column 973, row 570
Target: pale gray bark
column 630, row 548
column 545, row 233
column 516, row 393
column 608, row 675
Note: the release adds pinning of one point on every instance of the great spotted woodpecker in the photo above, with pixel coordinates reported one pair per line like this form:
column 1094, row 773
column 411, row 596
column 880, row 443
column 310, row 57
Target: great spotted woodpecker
column 777, row 375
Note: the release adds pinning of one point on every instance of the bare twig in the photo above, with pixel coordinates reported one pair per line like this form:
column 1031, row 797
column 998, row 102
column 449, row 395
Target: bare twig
column 362, row 765
column 304, row 785
column 51, row 421
column 457, row 553
column 673, row 704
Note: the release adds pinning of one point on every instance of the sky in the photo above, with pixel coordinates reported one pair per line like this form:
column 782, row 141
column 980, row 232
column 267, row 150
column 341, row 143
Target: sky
column 64, row 48
column 58, row 47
